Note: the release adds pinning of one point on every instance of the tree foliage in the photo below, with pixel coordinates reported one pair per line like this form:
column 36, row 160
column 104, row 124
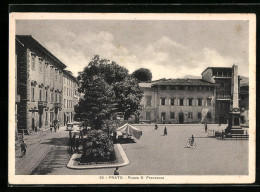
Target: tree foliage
column 142, row 75
column 107, row 88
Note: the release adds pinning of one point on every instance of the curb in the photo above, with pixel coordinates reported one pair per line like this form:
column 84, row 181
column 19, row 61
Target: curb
column 121, row 151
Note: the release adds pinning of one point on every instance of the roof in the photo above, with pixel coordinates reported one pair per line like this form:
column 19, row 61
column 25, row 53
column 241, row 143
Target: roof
column 196, row 82
column 218, row 69
column 29, row 41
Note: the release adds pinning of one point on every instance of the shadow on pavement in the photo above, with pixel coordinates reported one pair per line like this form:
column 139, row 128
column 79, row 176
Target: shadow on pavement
column 62, row 141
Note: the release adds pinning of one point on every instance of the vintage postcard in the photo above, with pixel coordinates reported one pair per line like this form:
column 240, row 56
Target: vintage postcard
column 120, row 98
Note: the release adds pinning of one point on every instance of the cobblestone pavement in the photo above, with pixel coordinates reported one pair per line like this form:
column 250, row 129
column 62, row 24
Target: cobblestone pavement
column 155, row 154
column 38, row 147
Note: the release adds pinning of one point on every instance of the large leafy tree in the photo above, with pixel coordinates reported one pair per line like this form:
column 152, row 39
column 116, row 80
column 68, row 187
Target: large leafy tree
column 142, row 75
column 107, row 88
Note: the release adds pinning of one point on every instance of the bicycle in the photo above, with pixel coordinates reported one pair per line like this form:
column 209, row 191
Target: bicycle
column 191, row 144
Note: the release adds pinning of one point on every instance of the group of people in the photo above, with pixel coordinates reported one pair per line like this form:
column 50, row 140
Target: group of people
column 55, row 124
column 164, row 131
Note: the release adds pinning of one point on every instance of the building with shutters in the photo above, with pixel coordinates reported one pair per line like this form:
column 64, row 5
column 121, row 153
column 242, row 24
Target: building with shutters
column 39, row 85
column 70, row 97
column 191, row 100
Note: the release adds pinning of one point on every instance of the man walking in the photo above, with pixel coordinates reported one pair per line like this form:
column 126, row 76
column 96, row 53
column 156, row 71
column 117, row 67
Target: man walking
column 23, row 148
column 116, row 172
column 156, row 126
column 206, row 127
column 165, row 132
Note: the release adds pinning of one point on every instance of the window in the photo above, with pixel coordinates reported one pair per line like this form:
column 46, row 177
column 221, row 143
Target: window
column 163, row 87
column 64, row 103
column 67, row 103
column 199, row 101
column 40, row 65
column 56, row 98
column 59, row 98
column 32, row 93
column 172, row 115
column 200, row 88
column 51, row 72
column 46, row 96
column 181, row 87
column 40, row 95
column 52, row 97
column 181, row 102
column 208, row 102
column 33, row 61
column 56, row 75
column 208, row 115
column 162, row 101
column 190, row 88
column 172, row 102
column 148, row 100
column 172, row 87
column 190, row 116
column 199, row 115
column 190, row 101
column 148, row 115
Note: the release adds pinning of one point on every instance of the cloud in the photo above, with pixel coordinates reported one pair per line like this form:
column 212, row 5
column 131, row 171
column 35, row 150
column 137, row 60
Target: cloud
column 165, row 57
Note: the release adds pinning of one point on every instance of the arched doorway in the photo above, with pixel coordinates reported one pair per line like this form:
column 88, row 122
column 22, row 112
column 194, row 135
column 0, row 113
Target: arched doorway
column 181, row 118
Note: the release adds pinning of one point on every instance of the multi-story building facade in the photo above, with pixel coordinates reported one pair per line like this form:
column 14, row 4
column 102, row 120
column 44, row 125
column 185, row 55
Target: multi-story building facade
column 178, row 101
column 222, row 78
column 39, row 83
column 70, row 96
column 192, row 100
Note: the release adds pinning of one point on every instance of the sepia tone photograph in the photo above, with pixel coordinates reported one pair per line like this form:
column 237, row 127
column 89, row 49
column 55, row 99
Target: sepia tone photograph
column 131, row 98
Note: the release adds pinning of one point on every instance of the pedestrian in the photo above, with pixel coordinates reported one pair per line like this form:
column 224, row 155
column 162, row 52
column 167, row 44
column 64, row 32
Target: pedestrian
column 51, row 127
column 156, row 126
column 23, row 148
column 55, row 127
column 191, row 140
column 36, row 128
column 116, row 172
column 165, row 131
column 206, row 127
column 222, row 134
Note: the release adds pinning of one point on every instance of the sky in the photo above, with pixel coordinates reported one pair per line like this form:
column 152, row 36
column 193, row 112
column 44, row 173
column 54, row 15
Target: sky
column 169, row 49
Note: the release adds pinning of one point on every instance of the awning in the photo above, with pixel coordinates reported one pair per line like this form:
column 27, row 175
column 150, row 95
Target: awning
column 130, row 130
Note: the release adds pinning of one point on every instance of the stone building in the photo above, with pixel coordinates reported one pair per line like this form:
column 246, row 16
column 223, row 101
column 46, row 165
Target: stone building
column 208, row 99
column 222, row 78
column 178, row 101
column 70, row 96
column 39, row 84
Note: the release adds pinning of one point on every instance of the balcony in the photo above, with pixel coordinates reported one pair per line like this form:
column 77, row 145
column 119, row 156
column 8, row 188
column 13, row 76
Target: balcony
column 57, row 105
column 42, row 104
column 223, row 97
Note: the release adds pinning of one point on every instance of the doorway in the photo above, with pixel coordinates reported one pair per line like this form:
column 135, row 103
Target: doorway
column 163, row 117
column 33, row 124
column 181, row 118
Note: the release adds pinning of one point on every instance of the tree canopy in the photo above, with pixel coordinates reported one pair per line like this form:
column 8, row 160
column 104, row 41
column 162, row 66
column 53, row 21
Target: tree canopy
column 142, row 75
column 107, row 88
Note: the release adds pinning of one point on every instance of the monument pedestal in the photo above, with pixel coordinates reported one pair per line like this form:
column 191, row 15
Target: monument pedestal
column 234, row 125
